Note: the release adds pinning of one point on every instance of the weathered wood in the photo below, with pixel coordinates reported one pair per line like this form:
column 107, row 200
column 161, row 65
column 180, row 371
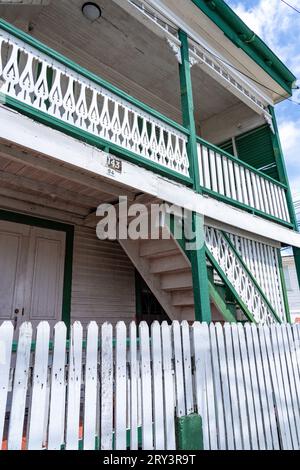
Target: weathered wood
column 39, row 389
column 6, row 338
column 242, row 380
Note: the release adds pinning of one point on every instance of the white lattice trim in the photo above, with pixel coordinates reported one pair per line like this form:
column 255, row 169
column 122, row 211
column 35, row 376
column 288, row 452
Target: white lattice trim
column 238, row 276
column 72, row 98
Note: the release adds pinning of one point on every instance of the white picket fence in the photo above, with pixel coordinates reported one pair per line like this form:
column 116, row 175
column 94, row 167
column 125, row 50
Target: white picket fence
column 123, row 387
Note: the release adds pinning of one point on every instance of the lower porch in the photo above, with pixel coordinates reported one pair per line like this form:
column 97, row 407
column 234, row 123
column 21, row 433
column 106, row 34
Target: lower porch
column 56, row 268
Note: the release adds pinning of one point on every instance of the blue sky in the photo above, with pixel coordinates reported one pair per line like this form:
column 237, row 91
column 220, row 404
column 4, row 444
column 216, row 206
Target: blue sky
column 279, row 26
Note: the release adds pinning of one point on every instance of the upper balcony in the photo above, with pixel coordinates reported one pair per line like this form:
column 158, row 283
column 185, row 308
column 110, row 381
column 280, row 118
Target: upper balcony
column 142, row 124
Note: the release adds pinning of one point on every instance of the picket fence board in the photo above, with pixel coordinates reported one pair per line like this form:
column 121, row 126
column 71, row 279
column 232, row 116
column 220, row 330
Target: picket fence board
column 244, row 381
column 74, row 387
column 6, row 338
column 147, row 419
column 58, row 389
column 39, row 389
column 225, row 387
column 121, row 389
column 169, row 399
column 17, row 414
column 106, row 387
column 91, row 388
column 133, row 388
column 158, row 405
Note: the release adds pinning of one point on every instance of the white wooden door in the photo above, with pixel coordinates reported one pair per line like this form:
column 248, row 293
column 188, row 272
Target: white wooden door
column 31, row 273
column 14, row 239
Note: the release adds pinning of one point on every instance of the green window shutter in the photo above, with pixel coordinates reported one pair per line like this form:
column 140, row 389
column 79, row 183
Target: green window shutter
column 227, row 146
column 256, row 149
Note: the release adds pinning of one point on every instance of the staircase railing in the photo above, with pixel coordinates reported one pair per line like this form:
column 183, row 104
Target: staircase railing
column 236, row 275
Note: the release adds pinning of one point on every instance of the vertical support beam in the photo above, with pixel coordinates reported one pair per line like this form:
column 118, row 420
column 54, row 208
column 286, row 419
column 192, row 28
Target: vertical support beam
column 284, row 179
column 187, row 106
column 199, row 271
column 197, row 255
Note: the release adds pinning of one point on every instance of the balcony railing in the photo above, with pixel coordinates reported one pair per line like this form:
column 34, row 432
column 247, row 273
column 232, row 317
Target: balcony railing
column 232, row 180
column 43, row 84
column 68, row 95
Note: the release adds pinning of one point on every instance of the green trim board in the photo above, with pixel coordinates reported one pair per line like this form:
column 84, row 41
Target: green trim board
column 10, row 216
column 98, row 142
column 244, row 38
column 9, row 28
column 189, row 432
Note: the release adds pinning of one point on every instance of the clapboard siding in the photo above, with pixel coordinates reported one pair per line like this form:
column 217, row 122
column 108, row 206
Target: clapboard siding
column 103, row 287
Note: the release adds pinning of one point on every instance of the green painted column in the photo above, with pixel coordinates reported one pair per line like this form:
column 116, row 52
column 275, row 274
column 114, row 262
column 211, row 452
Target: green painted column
column 199, row 271
column 197, row 255
column 284, row 179
column 187, row 106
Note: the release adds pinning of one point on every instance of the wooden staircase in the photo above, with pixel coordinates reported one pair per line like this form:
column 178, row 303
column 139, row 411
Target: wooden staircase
column 167, row 271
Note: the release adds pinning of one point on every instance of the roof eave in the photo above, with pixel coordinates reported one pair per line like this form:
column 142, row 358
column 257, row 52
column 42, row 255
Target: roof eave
column 243, row 37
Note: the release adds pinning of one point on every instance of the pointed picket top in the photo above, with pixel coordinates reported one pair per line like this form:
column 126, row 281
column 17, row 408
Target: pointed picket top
column 91, row 387
column 121, row 392
column 169, row 397
column 15, row 432
column 39, row 413
column 187, row 363
column 58, row 389
column 147, row 432
column 133, row 387
column 6, row 339
column 158, row 404
column 106, row 386
column 180, row 401
column 74, row 387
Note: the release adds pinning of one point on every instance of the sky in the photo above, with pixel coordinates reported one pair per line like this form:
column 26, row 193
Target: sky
column 279, row 26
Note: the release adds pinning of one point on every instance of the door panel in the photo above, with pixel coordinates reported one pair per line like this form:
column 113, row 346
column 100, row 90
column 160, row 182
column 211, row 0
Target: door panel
column 13, row 257
column 31, row 273
column 45, row 272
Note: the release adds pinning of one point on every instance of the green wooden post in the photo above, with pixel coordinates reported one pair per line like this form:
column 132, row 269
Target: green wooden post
column 197, row 256
column 199, row 272
column 284, row 179
column 187, row 106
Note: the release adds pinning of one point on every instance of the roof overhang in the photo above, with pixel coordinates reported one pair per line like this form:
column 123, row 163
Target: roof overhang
column 243, row 37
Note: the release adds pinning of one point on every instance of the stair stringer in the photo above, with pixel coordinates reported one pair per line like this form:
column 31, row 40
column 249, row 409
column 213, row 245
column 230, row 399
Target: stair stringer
column 132, row 248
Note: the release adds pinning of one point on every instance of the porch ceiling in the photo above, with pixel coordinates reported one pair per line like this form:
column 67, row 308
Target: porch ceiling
column 121, row 50
column 34, row 181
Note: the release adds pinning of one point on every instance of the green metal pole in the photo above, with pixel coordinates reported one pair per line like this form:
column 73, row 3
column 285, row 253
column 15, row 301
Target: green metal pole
column 197, row 254
column 284, row 179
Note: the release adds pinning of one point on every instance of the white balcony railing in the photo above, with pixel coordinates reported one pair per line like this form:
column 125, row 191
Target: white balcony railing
column 231, row 179
column 35, row 78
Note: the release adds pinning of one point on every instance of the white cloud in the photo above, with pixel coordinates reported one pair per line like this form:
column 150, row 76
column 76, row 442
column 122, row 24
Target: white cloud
column 290, row 139
column 277, row 24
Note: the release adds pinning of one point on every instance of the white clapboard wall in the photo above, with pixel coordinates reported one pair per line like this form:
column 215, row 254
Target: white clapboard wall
column 124, row 387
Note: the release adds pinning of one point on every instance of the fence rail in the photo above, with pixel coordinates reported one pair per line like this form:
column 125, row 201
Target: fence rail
column 243, row 380
column 230, row 178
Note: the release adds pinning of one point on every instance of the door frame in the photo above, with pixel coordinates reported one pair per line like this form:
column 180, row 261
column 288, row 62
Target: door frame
column 33, row 221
